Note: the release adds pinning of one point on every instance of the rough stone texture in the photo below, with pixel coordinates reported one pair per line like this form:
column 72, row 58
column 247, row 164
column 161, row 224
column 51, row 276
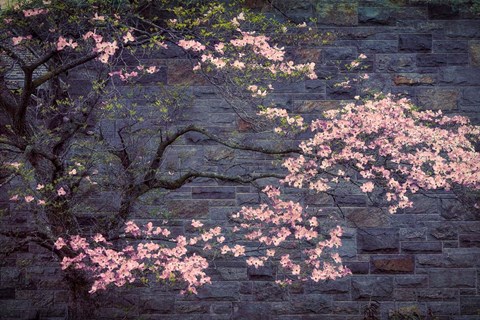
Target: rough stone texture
column 474, row 50
column 392, row 264
column 378, row 240
column 413, row 79
column 372, row 287
column 426, row 256
column 411, row 42
column 438, row 99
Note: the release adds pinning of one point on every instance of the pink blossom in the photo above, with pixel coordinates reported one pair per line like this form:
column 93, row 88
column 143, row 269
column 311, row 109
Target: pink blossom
column 128, row 37
column 151, row 69
column 19, row 39
column 367, row 186
column 132, row 228
column 191, row 45
column 196, row 224
column 34, row 12
column 60, row 243
column 61, row 191
column 62, row 43
column 98, row 18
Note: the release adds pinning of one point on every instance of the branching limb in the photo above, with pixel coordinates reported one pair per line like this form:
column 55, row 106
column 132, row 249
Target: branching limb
column 49, row 75
column 177, row 183
column 155, row 163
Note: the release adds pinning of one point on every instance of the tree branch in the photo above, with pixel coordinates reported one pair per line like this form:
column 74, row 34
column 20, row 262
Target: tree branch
column 13, row 55
column 47, row 76
column 41, row 60
column 177, row 183
column 155, row 163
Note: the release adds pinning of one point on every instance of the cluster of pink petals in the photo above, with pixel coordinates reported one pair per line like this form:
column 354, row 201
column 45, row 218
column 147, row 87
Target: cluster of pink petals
column 119, row 267
column 278, row 113
column 259, row 45
column 34, row 12
column 19, row 39
column 106, row 49
column 218, row 62
column 191, row 45
column 128, row 37
column 270, row 226
column 284, row 221
column 243, row 47
column 62, row 43
column 390, row 144
column 123, row 75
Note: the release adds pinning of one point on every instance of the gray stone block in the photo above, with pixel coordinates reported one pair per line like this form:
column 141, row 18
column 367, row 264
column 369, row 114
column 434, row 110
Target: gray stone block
column 158, row 304
column 411, row 281
column 213, row 192
column 223, row 291
column 305, row 304
column 470, row 96
column 395, row 63
column 337, row 286
column 470, row 305
column 344, row 53
column 459, row 76
column 469, row 240
column 421, row 247
column 452, row 46
column 441, row 59
column 377, row 46
column 249, row 310
column 412, row 42
column 375, row 16
column 373, row 287
column 437, row 294
column 378, row 240
column 452, row 278
column 463, row 29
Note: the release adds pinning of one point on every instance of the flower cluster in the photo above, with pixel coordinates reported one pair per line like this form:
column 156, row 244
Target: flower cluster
column 284, row 221
column 109, row 266
column 62, row 43
column 19, row 39
column 237, row 54
column 191, row 45
column 278, row 113
column 268, row 226
column 34, row 12
column 106, row 49
column 389, row 143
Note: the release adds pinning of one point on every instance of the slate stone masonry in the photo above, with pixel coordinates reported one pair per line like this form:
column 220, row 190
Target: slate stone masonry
column 427, row 257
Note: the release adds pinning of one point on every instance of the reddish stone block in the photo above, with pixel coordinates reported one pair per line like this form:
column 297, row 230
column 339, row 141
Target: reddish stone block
column 392, row 264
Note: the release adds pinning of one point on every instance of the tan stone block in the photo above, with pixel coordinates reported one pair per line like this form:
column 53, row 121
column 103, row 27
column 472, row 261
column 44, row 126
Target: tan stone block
column 179, row 72
column 438, row 99
column 413, row 79
column 474, row 50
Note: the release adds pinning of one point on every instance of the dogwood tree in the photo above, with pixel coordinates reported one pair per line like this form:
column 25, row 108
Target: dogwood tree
column 50, row 138
column 56, row 155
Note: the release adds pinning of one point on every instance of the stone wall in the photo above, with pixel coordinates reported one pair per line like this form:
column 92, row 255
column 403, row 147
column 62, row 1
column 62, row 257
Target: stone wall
column 427, row 257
